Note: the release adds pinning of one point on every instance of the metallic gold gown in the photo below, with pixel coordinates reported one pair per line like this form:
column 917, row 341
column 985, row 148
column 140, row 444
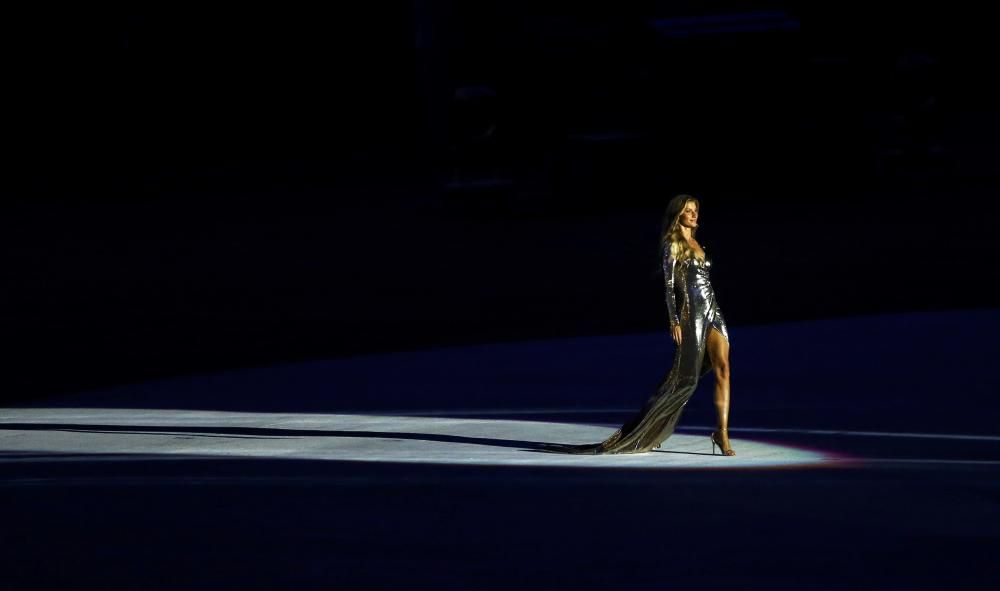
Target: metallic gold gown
column 698, row 313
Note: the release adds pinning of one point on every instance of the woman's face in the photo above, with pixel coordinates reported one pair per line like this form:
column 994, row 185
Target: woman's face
column 689, row 215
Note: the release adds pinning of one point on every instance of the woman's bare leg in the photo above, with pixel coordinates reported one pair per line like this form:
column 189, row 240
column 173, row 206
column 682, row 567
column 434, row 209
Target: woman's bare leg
column 718, row 351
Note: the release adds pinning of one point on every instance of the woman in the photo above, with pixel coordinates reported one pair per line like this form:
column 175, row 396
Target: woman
column 698, row 329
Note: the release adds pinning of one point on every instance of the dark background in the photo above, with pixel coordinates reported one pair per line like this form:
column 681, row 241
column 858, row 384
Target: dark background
column 193, row 190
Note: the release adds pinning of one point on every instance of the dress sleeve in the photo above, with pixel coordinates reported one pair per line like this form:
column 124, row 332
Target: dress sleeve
column 669, row 268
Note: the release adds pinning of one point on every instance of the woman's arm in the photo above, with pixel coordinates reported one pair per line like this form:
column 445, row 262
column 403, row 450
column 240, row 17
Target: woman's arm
column 669, row 266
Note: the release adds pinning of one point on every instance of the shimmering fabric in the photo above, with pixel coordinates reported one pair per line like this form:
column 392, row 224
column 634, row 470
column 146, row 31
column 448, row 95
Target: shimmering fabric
column 697, row 312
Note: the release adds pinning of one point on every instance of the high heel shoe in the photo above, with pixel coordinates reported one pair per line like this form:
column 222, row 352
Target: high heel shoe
column 725, row 451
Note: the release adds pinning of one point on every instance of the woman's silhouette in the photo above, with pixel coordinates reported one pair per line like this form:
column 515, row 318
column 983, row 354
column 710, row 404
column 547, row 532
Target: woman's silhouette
column 698, row 329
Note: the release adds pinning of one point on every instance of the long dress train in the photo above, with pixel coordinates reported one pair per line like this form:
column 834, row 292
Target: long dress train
column 699, row 312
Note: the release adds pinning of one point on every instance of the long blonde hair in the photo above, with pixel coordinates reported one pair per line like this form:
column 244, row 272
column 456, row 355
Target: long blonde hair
column 670, row 232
